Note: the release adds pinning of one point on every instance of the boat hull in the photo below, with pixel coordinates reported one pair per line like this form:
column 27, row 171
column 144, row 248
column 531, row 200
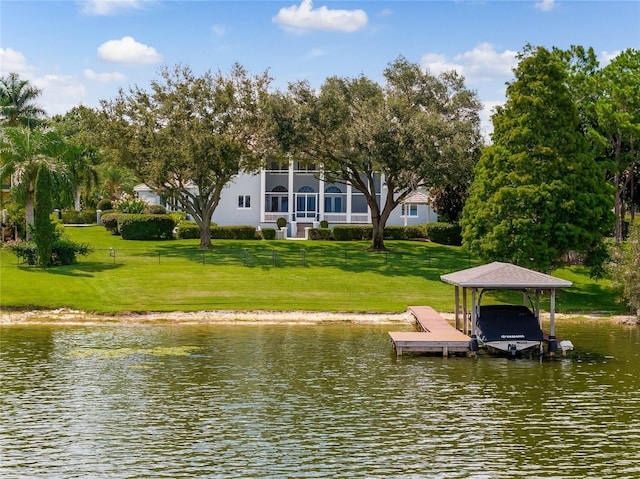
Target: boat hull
column 509, row 328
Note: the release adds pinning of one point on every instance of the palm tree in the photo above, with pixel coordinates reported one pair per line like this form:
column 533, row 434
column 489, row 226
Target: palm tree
column 22, row 152
column 116, row 180
column 17, row 105
column 81, row 170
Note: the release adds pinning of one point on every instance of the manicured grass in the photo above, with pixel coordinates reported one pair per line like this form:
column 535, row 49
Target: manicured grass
column 257, row 275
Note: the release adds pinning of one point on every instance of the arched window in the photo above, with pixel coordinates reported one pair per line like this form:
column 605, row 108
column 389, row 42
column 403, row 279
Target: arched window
column 332, row 189
column 279, row 189
column 306, row 189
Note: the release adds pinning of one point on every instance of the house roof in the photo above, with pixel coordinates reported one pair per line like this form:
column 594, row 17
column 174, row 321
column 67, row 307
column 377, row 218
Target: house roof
column 503, row 276
column 417, row 197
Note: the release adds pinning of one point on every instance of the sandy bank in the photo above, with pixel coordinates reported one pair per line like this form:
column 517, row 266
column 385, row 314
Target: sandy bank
column 71, row 317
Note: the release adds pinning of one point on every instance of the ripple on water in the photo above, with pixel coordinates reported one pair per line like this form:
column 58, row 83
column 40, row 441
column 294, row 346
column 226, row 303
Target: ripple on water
column 304, row 402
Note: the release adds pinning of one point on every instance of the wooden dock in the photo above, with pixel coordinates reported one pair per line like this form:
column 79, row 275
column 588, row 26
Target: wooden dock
column 435, row 335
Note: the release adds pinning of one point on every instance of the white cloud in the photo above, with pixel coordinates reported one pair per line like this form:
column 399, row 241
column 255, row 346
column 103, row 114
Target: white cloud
column 128, row 52
column 104, row 77
column 305, row 18
column 111, row 7
column 12, row 61
column 437, row 64
column 606, row 57
column 545, row 5
column 484, row 69
column 482, row 64
column 60, row 93
column 385, row 12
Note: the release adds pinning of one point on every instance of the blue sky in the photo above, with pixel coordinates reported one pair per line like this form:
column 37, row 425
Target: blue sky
column 79, row 52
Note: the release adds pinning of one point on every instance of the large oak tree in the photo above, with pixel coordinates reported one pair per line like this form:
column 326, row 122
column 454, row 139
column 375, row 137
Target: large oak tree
column 190, row 135
column 418, row 130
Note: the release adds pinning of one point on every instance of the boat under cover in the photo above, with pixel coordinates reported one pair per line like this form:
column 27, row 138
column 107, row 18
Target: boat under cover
column 509, row 328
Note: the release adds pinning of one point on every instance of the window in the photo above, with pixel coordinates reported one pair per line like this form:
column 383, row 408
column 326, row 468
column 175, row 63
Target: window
column 244, row 201
column 409, row 210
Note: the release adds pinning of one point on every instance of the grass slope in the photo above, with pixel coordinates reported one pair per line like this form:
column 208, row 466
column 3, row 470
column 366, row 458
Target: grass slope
column 257, row 275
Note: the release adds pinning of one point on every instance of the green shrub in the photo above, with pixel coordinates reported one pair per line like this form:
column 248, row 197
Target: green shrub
column 233, row 232
column 324, row 224
column 352, row 232
column 269, row 233
column 63, row 251
column 110, row 222
column 27, row 251
column 415, row 231
column 155, row 210
column 178, row 216
column 320, row 234
column 145, row 227
column 104, row 205
column 444, row 233
column 84, row 217
column 188, row 230
column 395, row 233
column 281, row 222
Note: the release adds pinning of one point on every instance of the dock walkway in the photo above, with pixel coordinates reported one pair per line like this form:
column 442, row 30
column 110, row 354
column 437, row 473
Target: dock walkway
column 436, row 335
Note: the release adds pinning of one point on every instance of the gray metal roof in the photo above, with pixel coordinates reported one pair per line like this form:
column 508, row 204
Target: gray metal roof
column 504, row 276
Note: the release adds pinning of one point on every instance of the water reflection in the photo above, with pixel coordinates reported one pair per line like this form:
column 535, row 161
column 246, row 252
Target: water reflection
column 310, row 401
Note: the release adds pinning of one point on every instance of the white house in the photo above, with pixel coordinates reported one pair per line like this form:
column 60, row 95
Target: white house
column 299, row 194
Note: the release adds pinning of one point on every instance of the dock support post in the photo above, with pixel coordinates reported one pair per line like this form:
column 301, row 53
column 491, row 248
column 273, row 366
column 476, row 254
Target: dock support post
column 457, row 307
column 445, row 352
column 553, row 345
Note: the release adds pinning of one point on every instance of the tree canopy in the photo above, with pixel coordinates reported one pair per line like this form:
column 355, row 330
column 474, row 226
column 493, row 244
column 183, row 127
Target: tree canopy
column 190, row 135
column 538, row 193
column 418, row 130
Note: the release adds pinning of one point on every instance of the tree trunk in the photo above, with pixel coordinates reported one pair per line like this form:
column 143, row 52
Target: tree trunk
column 205, row 236
column 77, row 200
column 29, row 213
column 617, row 209
column 377, row 241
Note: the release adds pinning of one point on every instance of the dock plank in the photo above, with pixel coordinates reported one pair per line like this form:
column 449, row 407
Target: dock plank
column 435, row 335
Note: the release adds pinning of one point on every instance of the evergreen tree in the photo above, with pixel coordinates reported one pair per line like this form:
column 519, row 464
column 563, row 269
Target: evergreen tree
column 538, row 193
column 44, row 229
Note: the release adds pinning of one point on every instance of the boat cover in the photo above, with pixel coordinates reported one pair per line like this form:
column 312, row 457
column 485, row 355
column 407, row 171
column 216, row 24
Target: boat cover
column 508, row 322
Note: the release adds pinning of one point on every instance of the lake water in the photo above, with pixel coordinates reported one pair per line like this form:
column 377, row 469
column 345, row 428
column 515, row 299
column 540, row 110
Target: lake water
column 300, row 401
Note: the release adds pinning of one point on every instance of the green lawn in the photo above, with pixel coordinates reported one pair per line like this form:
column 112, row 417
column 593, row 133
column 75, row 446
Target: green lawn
column 257, row 275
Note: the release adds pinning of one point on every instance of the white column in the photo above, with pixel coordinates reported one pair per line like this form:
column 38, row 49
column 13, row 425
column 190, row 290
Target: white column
column 291, row 198
column 263, row 197
column 321, row 197
column 349, row 201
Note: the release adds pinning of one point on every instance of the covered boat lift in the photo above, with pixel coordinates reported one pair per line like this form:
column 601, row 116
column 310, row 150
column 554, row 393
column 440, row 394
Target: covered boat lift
column 503, row 276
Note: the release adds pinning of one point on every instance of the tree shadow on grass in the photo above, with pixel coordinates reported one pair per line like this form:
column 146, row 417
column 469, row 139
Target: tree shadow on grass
column 81, row 270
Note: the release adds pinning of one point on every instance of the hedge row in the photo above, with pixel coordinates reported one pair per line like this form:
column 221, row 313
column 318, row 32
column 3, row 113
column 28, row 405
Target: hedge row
column 139, row 226
column 145, row 227
column 445, row 233
column 72, row 217
column 365, row 233
column 233, row 232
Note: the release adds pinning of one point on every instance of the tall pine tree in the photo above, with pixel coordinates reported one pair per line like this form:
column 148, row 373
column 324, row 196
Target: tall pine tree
column 538, row 193
column 44, row 229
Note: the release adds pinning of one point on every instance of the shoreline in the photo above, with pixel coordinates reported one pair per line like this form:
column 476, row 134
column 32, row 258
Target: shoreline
column 66, row 316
